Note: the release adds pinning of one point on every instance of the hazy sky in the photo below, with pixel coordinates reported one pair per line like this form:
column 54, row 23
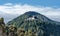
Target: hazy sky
column 10, row 9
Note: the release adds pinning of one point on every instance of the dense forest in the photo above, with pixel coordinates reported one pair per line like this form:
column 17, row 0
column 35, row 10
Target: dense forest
column 30, row 24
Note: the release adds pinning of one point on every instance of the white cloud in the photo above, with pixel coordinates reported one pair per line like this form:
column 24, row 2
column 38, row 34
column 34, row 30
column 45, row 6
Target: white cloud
column 19, row 9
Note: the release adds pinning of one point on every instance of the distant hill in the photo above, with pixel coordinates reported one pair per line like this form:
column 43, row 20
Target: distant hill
column 38, row 23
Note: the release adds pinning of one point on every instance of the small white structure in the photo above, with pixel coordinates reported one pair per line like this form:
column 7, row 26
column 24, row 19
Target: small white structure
column 31, row 18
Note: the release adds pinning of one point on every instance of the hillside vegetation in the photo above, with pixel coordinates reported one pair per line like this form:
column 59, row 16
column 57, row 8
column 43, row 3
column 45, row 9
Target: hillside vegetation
column 30, row 24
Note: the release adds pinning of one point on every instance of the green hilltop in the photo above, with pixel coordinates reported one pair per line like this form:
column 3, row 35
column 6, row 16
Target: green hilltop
column 37, row 23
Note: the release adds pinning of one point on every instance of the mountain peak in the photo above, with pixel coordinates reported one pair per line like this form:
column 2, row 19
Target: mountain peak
column 36, row 23
column 32, row 13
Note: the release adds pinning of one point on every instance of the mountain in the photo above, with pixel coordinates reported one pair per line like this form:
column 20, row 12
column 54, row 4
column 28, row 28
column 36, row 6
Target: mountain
column 37, row 23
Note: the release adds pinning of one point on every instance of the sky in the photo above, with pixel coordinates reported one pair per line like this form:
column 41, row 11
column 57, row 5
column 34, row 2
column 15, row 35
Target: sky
column 10, row 9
